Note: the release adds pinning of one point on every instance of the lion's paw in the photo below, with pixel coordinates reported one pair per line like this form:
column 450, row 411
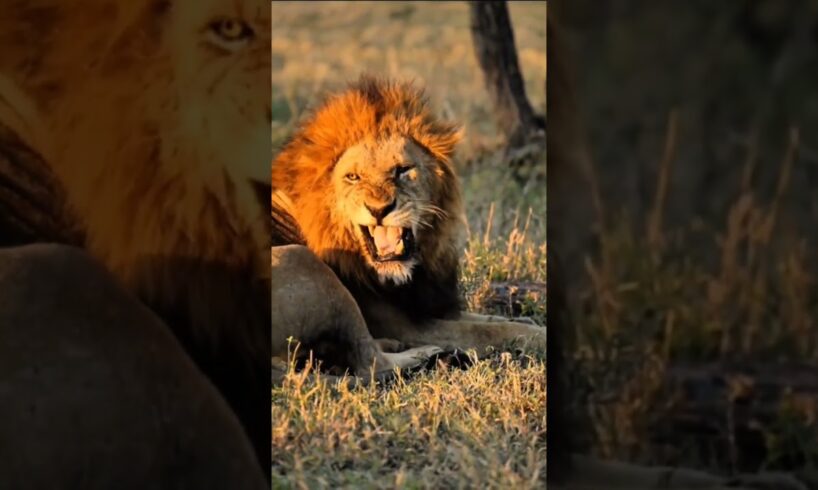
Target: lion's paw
column 412, row 357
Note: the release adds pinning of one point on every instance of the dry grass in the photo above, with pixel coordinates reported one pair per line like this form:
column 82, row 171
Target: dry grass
column 448, row 427
column 654, row 301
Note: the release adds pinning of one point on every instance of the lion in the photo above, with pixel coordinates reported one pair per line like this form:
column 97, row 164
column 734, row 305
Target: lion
column 158, row 127
column 332, row 329
column 368, row 187
column 97, row 393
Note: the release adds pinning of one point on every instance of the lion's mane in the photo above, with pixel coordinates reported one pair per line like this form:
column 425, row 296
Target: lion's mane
column 376, row 108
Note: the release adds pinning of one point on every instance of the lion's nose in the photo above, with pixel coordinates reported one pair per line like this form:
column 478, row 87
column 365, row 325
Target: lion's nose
column 379, row 212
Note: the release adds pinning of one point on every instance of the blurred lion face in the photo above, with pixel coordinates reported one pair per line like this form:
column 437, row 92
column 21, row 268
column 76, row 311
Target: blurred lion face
column 221, row 59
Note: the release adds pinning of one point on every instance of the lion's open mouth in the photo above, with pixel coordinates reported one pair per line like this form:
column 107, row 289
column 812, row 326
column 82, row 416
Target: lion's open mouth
column 388, row 243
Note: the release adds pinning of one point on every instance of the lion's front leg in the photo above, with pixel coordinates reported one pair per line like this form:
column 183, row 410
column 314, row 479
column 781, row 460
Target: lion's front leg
column 310, row 304
column 477, row 317
column 467, row 331
column 481, row 334
column 95, row 384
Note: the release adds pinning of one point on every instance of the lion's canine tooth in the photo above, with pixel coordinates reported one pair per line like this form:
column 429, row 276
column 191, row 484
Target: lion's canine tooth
column 371, row 230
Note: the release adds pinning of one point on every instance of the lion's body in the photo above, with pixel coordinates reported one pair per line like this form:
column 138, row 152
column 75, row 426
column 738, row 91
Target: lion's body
column 369, row 185
column 155, row 121
column 311, row 305
column 97, row 393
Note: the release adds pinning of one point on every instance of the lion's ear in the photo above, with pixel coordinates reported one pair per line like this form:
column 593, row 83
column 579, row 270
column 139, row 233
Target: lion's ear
column 442, row 140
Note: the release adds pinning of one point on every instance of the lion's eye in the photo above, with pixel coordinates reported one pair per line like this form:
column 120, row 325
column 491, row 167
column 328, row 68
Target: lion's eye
column 230, row 33
column 352, row 177
column 403, row 170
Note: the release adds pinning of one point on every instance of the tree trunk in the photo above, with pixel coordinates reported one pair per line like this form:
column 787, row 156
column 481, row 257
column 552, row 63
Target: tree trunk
column 32, row 202
column 494, row 46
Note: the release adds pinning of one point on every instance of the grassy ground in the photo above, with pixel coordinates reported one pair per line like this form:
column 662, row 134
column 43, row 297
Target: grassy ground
column 655, row 302
column 447, row 427
column 714, row 266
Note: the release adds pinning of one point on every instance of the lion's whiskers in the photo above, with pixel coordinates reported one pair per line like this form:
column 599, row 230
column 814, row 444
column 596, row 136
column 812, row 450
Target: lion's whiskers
column 429, row 208
column 420, row 216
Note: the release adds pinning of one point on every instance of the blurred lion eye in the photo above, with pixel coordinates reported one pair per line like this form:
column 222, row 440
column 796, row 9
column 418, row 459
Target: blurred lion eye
column 230, row 33
column 352, row 177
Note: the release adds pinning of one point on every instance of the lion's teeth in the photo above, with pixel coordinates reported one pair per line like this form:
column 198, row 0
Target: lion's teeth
column 371, row 230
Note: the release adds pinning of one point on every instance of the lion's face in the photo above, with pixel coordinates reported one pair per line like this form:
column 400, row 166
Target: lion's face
column 221, row 59
column 385, row 195
column 369, row 181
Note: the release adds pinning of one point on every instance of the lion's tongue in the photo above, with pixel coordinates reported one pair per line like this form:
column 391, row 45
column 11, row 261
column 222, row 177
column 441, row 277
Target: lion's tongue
column 387, row 239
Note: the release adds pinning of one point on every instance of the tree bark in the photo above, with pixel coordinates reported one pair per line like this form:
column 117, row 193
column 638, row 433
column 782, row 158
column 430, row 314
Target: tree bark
column 32, row 202
column 493, row 40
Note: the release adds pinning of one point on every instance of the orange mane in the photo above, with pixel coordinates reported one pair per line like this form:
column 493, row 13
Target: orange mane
column 370, row 108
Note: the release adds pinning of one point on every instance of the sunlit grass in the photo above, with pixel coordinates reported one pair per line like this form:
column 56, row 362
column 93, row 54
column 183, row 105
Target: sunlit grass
column 484, row 425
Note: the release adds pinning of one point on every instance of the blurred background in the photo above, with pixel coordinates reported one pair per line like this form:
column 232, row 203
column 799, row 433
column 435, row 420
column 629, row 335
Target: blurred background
column 692, row 250
column 320, row 46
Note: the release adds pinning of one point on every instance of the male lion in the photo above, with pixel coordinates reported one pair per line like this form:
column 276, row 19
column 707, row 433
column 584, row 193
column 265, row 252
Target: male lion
column 368, row 186
column 155, row 116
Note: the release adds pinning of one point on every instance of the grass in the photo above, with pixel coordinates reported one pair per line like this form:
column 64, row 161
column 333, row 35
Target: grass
column 655, row 301
column 444, row 428
column 447, row 427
